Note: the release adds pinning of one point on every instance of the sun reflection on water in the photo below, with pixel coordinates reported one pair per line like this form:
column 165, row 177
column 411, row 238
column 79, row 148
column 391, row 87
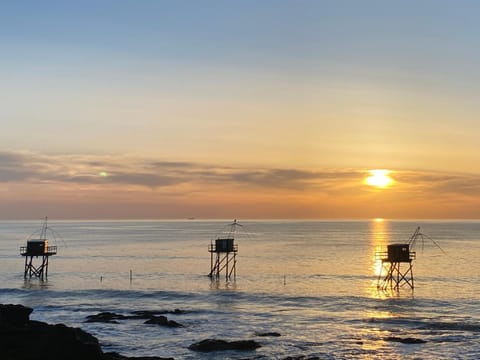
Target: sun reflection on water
column 379, row 238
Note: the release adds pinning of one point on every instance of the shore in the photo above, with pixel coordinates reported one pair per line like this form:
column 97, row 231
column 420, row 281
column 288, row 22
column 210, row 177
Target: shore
column 25, row 339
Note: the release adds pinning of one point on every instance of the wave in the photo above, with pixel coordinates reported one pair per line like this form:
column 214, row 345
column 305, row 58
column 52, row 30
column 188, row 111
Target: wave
column 428, row 324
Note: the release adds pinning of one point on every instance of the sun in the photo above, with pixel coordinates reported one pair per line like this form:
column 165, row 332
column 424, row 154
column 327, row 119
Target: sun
column 379, row 179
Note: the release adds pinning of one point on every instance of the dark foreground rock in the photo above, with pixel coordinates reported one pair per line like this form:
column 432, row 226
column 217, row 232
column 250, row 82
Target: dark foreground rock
column 217, row 345
column 25, row 339
column 407, row 340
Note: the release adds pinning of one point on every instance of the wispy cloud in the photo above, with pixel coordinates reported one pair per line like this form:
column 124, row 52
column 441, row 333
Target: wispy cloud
column 439, row 183
column 109, row 170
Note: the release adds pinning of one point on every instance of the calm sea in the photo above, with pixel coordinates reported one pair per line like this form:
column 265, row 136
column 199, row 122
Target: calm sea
column 314, row 282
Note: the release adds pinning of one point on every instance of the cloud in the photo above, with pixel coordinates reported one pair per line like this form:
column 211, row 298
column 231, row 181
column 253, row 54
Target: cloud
column 441, row 182
column 86, row 169
column 17, row 167
column 121, row 171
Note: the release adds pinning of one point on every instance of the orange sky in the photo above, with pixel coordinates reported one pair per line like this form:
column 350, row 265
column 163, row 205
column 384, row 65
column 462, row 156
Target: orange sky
column 272, row 109
column 109, row 187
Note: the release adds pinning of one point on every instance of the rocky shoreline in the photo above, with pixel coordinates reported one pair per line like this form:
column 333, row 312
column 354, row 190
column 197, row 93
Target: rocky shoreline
column 25, row 339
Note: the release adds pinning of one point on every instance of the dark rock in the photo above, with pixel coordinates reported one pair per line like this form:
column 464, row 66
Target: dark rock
column 162, row 320
column 25, row 339
column 111, row 318
column 14, row 315
column 147, row 314
column 302, row 357
column 105, row 317
column 408, row 340
column 35, row 340
column 216, row 345
column 268, row 334
column 117, row 356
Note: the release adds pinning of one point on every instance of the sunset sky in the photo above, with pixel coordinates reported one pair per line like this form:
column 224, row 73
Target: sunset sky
column 249, row 109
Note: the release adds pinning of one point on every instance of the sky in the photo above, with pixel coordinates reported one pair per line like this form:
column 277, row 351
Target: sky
column 115, row 109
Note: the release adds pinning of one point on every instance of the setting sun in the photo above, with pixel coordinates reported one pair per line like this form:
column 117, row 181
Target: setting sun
column 379, row 179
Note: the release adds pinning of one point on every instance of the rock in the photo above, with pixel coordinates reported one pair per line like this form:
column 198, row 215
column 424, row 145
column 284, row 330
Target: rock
column 216, row 345
column 151, row 316
column 105, row 317
column 162, row 320
column 35, row 340
column 268, row 334
column 14, row 315
column 147, row 314
column 116, row 356
column 302, row 357
column 25, row 339
column 408, row 340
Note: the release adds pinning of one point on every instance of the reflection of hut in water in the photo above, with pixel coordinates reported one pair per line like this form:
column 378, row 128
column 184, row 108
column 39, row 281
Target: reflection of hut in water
column 37, row 253
column 223, row 253
column 397, row 263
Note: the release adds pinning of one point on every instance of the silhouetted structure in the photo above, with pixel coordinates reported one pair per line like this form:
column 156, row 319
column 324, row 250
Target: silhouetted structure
column 223, row 255
column 38, row 249
column 396, row 274
column 397, row 262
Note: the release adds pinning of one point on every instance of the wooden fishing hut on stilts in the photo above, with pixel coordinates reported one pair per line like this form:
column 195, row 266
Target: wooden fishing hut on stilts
column 223, row 254
column 41, row 251
column 397, row 263
column 396, row 274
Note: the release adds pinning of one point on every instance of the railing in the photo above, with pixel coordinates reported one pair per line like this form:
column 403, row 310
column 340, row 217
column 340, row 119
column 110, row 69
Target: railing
column 51, row 250
column 213, row 248
column 383, row 255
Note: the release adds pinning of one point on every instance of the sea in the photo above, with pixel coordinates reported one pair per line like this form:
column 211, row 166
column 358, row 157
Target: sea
column 314, row 283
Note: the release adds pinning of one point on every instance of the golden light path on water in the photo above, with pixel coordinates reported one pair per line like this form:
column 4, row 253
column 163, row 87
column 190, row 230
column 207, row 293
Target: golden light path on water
column 380, row 230
column 379, row 238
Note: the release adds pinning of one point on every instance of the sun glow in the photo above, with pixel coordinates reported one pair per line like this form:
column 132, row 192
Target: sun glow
column 379, row 178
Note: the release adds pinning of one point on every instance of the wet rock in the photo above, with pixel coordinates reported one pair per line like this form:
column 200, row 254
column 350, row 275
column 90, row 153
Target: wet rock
column 117, row 356
column 268, row 334
column 163, row 321
column 147, row 314
column 111, row 318
column 217, row 345
column 407, row 340
column 105, row 317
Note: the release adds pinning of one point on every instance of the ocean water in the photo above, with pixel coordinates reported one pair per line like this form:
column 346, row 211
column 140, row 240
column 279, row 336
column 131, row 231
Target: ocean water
column 314, row 282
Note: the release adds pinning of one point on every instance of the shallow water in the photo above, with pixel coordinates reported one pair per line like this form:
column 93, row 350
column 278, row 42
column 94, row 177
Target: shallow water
column 312, row 281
